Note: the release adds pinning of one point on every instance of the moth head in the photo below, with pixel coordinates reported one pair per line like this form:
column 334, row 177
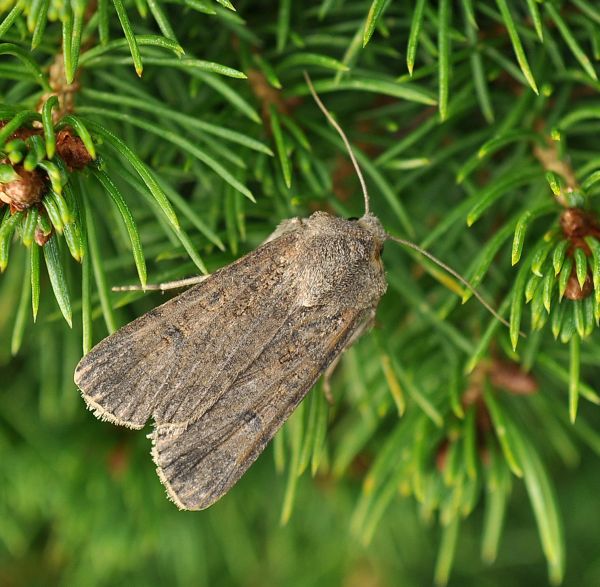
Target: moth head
column 373, row 225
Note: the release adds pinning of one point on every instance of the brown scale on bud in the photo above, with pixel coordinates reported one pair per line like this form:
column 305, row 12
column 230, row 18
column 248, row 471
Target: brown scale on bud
column 23, row 133
column 24, row 192
column 72, row 150
column 573, row 290
column 41, row 237
column 576, row 224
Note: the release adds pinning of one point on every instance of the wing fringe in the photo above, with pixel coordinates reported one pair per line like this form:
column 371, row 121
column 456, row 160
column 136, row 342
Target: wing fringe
column 106, row 416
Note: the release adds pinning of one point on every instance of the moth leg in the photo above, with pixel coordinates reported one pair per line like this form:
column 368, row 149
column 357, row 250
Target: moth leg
column 163, row 286
column 328, row 374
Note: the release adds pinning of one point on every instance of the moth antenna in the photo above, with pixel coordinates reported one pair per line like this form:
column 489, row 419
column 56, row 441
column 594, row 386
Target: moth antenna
column 342, row 134
column 455, row 274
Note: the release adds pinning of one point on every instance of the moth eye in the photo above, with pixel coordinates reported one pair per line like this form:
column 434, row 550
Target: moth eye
column 353, row 218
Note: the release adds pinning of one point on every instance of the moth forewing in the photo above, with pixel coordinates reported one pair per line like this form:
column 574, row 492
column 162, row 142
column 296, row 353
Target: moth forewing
column 220, row 367
column 134, row 373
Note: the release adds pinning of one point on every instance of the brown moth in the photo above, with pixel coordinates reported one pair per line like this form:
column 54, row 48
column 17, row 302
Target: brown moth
column 220, row 367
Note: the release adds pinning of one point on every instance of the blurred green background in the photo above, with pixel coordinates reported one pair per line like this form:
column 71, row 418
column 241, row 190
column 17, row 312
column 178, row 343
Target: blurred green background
column 450, row 441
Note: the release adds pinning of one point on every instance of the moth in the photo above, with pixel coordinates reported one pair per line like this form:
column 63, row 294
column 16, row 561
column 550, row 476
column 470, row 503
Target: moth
column 221, row 367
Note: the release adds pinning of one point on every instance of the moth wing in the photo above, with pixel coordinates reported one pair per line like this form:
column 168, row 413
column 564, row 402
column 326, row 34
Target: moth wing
column 199, row 463
column 180, row 356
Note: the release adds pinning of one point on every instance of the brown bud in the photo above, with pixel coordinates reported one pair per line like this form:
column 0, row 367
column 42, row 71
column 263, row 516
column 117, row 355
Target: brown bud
column 575, row 222
column 24, row 192
column 72, row 150
column 572, row 222
column 574, row 291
